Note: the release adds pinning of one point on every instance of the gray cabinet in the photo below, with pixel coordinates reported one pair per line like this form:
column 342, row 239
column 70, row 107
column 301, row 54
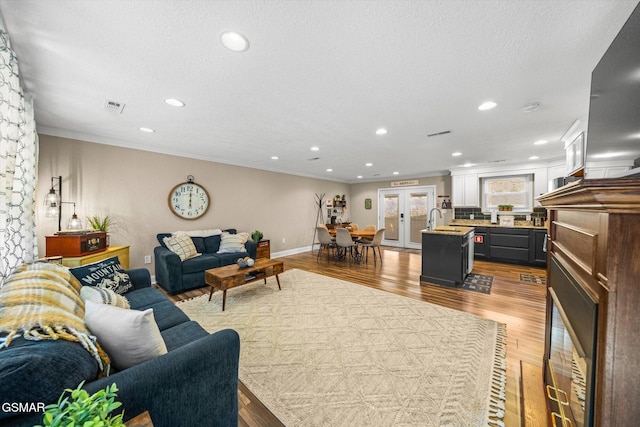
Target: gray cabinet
column 539, row 247
column 511, row 245
column 481, row 243
column 445, row 258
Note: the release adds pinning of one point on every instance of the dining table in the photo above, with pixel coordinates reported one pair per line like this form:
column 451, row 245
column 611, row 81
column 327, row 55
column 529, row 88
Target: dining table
column 355, row 235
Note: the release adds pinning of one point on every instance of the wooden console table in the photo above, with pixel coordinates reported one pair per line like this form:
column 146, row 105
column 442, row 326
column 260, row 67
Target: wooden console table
column 122, row 252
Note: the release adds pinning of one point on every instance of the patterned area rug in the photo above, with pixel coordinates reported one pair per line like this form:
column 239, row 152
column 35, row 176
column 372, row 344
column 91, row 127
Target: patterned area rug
column 530, row 278
column 325, row 352
column 478, row 283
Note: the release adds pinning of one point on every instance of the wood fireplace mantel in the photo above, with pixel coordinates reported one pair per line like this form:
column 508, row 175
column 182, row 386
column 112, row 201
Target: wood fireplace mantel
column 594, row 233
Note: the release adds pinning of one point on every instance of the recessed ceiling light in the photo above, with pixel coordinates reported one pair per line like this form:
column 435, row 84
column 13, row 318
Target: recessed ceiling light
column 174, row 102
column 396, row 173
column 329, row 170
column 369, row 164
column 315, row 148
column 381, row 131
column 635, row 136
column 467, row 165
column 456, row 154
column 534, row 158
column 359, row 177
column 274, row 157
column 148, row 130
column 540, row 142
column 234, row 41
column 487, row 105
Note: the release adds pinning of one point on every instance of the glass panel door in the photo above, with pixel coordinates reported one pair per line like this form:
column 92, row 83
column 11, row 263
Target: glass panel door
column 391, row 203
column 403, row 214
column 418, row 210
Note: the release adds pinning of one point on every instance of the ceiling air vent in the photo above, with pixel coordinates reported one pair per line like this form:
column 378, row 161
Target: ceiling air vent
column 113, row 106
column 313, row 158
column 438, row 133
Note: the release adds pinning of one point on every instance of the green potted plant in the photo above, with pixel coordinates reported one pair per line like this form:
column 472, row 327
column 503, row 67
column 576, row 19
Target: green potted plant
column 79, row 409
column 257, row 236
column 99, row 223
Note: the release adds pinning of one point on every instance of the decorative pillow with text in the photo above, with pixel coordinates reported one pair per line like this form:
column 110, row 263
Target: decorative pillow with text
column 107, row 274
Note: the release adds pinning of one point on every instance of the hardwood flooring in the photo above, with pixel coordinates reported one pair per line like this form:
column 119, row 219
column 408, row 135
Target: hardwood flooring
column 520, row 305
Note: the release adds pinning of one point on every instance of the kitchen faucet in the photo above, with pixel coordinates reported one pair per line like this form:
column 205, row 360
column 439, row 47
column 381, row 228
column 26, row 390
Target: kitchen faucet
column 430, row 224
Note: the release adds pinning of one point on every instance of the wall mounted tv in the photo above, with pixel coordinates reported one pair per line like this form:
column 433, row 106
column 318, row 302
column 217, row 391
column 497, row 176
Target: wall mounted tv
column 614, row 110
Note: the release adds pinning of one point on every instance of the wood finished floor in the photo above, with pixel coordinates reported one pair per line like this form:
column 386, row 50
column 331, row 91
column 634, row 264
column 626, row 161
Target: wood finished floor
column 520, row 305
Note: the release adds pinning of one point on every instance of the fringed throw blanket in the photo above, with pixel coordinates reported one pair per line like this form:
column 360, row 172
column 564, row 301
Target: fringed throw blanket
column 42, row 301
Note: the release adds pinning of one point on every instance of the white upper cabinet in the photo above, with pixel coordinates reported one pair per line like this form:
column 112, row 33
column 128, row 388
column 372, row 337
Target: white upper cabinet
column 466, row 190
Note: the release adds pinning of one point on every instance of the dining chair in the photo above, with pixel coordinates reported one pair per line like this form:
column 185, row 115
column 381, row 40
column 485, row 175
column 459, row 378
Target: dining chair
column 375, row 243
column 326, row 241
column 354, row 226
column 367, row 239
column 344, row 241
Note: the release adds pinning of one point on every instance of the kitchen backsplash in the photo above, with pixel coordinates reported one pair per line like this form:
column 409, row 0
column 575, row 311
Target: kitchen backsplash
column 465, row 213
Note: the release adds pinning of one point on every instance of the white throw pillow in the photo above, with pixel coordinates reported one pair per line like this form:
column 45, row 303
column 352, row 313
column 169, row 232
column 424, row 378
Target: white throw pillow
column 103, row 296
column 182, row 245
column 233, row 242
column 129, row 337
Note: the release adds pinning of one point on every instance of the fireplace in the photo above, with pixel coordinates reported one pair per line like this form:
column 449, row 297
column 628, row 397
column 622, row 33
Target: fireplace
column 570, row 349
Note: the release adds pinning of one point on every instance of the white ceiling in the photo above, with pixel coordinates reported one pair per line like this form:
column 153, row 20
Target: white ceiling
column 317, row 73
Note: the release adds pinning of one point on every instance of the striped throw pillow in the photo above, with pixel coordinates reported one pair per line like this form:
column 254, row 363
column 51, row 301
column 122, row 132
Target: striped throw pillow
column 230, row 243
column 182, row 245
column 103, row 296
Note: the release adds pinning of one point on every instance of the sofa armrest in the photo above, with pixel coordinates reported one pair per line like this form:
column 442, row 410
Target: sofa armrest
column 140, row 278
column 168, row 268
column 251, row 248
column 194, row 385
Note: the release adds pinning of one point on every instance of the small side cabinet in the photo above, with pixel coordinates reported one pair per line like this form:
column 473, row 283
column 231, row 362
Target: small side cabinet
column 263, row 251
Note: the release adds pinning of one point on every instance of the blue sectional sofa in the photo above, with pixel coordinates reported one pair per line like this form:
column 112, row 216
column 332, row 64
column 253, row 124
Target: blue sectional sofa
column 175, row 275
column 194, row 384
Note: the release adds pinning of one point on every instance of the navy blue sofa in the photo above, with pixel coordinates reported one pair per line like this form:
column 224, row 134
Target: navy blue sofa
column 175, row 275
column 194, row 384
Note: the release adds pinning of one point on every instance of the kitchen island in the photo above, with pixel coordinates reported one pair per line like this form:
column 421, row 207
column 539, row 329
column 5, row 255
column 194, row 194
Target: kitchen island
column 447, row 255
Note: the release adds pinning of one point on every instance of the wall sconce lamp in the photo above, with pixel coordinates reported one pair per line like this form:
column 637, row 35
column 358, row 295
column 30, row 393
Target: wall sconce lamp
column 53, row 202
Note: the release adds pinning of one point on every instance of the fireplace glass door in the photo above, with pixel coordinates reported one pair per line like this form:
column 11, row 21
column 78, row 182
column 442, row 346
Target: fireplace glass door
column 571, row 338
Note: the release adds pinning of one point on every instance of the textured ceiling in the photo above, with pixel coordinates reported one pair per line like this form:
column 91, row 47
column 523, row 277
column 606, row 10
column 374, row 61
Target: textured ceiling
column 317, row 73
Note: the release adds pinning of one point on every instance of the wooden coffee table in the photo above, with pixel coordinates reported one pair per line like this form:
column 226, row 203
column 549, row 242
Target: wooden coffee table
column 230, row 276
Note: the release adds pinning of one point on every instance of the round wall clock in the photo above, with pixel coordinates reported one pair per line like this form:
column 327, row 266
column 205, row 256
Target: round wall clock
column 189, row 200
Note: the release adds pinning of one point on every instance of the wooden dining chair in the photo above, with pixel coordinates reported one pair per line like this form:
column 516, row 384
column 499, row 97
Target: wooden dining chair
column 375, row 243
column 345, row 241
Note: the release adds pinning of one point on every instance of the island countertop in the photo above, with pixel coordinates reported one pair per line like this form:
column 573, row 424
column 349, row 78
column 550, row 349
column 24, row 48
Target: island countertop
column 453, row 230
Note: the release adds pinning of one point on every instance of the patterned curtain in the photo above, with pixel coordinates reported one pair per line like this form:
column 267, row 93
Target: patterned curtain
column 18, row 166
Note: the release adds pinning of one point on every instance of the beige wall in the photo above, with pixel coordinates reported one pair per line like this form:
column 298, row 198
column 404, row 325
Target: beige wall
column 369, row 190
column 132, row 186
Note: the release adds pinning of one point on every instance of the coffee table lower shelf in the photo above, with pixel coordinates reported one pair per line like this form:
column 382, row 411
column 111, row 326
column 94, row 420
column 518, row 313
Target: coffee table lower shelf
column 231, row 276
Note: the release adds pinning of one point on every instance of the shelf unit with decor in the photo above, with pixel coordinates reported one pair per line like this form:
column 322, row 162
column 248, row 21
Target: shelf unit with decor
column 122, row 252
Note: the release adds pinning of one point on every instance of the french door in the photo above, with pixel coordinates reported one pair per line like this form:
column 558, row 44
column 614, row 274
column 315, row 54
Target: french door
column 403, row 212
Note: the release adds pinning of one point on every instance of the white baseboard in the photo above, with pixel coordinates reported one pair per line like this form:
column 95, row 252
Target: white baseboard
column 291, row 252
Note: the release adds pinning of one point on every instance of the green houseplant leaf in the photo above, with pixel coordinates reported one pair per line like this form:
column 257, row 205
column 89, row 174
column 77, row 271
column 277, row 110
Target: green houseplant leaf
column 77, row 408
column 100, row 223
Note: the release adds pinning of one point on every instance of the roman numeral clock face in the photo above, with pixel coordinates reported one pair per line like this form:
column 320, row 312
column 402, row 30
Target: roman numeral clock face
column 189, row 200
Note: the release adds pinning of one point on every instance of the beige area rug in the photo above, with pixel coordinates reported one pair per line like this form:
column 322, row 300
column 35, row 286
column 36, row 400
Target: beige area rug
column 325, row 352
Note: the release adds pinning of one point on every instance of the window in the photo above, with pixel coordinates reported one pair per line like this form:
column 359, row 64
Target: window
column 515, row 190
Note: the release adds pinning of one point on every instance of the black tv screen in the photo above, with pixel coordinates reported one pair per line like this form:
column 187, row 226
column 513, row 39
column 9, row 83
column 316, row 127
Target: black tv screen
column 614, row 111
